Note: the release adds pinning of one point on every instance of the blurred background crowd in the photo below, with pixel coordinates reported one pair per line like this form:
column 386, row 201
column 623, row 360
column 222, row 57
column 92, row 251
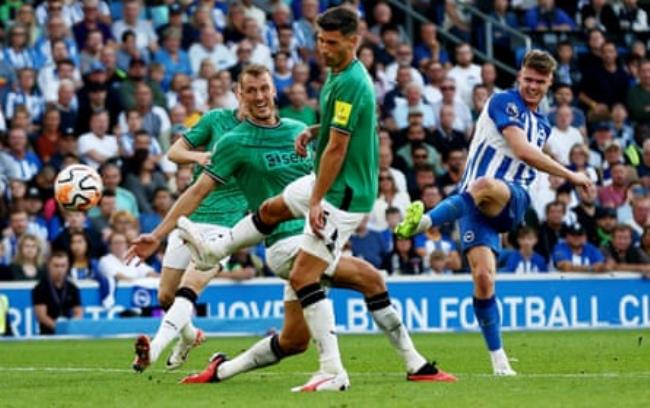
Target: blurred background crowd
column 114, row 83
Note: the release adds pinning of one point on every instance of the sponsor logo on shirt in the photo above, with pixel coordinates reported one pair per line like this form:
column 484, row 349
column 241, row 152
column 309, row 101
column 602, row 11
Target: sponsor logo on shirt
column 342, row 113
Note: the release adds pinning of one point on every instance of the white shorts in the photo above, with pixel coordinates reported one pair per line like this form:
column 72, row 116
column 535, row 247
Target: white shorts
column 280, row 257
column 339, row 225
column 178, row 256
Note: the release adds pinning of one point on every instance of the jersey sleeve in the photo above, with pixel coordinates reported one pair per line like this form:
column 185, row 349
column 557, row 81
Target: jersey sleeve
column 348, row 105
column 504, row 110
column 225, row 160
column 201, row 133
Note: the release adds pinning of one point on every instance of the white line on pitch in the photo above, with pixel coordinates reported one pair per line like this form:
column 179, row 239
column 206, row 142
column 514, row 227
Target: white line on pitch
column 640, row 374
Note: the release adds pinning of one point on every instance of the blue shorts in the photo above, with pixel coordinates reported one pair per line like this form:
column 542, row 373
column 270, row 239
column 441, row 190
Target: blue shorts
column 477, row 229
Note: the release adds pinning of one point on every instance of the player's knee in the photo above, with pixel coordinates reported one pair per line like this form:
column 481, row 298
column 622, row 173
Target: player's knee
column 165, row 298
column 371, row 282
column 482, row 187
column 273, row 211
column 295, row 344
column 483, row 282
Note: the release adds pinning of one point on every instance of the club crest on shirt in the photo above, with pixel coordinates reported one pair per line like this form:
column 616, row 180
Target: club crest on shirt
column 468, row 236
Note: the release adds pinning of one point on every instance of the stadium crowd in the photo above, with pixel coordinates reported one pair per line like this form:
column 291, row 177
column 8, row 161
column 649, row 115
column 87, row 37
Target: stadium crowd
column 114, row 83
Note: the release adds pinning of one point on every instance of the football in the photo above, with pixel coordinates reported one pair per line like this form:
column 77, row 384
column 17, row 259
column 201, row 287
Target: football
column 78, row 187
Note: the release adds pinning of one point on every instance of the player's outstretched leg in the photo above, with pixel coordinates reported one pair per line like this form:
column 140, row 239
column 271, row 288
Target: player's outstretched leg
column 294, row 339
column 483, row 265
column 250, row 230
column 357, row 274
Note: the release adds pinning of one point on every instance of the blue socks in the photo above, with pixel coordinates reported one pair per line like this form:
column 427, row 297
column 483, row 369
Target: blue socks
column 452, row 208
column 487, row 314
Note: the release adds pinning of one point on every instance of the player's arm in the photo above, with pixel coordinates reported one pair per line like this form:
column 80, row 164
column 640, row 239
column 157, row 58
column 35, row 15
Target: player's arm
column 305, row 137
column 146, row 244
column 181, row 152
column 525, row 152
column 42, row 316
column 330, row 163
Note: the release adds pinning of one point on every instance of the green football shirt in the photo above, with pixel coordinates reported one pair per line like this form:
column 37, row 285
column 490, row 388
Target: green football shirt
column 347, row 102
column 226, row 205
column 263, row 161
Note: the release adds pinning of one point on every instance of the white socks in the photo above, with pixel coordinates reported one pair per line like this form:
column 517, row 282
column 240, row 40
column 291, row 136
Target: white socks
column 245, row 234
column 320, row 320
column 259, row 355
column 390, row 323
column 176, row 318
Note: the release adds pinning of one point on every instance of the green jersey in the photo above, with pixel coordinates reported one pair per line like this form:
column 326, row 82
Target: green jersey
column 226, row 205
column 347, row 102
column 263, row 161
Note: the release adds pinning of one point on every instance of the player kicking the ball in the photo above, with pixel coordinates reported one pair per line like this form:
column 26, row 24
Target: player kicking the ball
column 180, row 283
column 505, row 156
column 259, row 155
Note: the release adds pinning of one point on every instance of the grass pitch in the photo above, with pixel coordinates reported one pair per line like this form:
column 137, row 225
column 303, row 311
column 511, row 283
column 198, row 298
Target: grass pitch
column 573, row 369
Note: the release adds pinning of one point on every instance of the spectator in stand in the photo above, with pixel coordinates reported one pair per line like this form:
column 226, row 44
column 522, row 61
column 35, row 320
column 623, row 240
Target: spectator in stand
column 113, row 267
column 260, row 52
column 211, row 46
column 463, row 115
column 579, row 161
column 606, row 84
column 606, row 221
column 97, row 146
column 489, row 78
column 567, row 71
column 435, row 75
column 613, row 195
column 172, row 57
column 403, row 77
column 176, row 21
column 445, row 137
column 613, row 155
column 428, row 47
column 424, row 175
column 623, row 132
column 137, row 74
column 112, row 178
column 525, row 260
column 436, row 242
column 143, row 178
column 404, row 259
column 640, row 215
column 21, row 155
column 18, row 53
column 298, row 108
column 643, row 169
column 644, row 245
column 412, row 153
column 638, row 98
column 563, row 136
column 551, row 230
column 385, row 163
column 369, row 244
column 55, row 296
column 25, row 95
column 575, row 254
column 106, row 207
column 412, row 104
column 124, row 223
column 622, row 255
column 19, row 225
column 44, row 47
column 91, row 51
column 282, row 77
column 145, row 34
column 28, row 261
column 91, row 21
column 501, row 39
column 161, row 204
column 480, row 96
column 187, row 99
column 631, row 17
column 219, row 96
column 547, row 17
column 154, row 118
column 128, row 50
column 599, row 14
column 403, row 58
column 76, row 221
column 563, row 95
column 389, row 196
column 586, row 213
column 601, row 138
column 305, row 29
column 455, row 165
column 438, row 263
column 465, row 73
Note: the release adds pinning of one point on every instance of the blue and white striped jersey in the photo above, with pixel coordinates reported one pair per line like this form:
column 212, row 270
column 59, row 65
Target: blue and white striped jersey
column 490, row 154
